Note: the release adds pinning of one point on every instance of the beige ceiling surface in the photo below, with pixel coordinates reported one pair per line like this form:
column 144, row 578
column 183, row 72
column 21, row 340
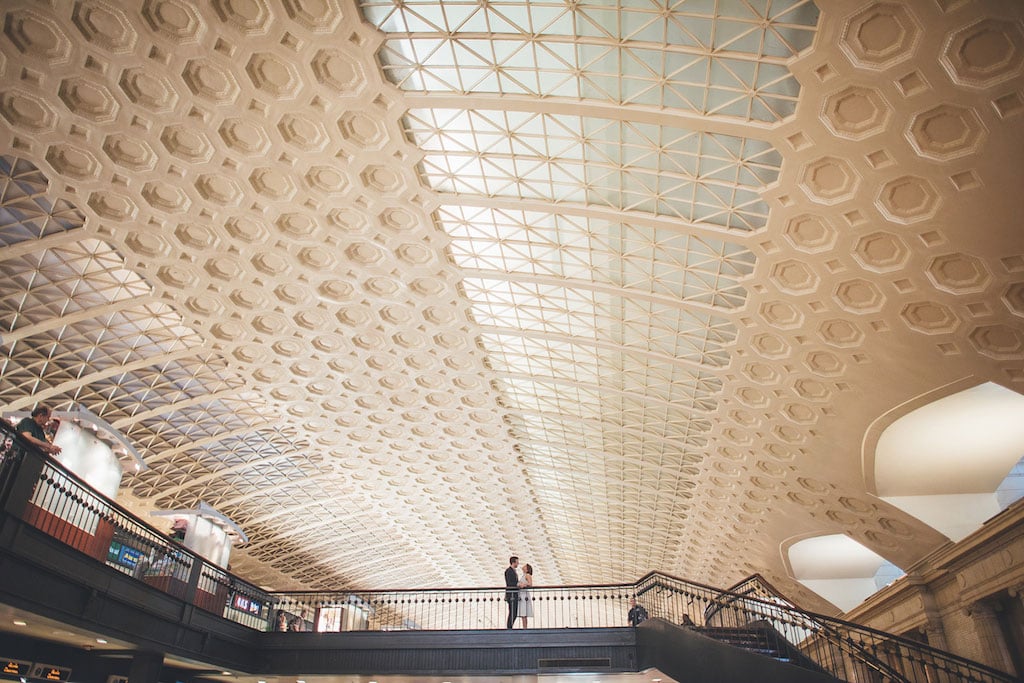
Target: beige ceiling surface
column 404, row 290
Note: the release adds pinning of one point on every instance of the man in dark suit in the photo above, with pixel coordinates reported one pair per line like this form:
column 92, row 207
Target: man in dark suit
column 637, row 614
column 512, row 590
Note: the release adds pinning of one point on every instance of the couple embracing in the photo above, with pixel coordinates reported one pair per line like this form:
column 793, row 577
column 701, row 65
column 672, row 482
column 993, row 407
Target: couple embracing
column 516, row 592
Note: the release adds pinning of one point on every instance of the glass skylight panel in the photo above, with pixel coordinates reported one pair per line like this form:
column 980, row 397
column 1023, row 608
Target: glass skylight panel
column 694, row 176
column 551, row 429
column 649, row 379
column 533, row 420
column 604, row 334
column 659, row 261
column 546, row 397
column 712, row 58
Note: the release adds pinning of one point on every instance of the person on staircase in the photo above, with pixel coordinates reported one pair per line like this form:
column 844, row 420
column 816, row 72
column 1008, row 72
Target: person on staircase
column 637, row 614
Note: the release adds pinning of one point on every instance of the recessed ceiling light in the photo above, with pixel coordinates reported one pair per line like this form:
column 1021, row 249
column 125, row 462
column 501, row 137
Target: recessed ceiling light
column 101, row 641
column 225, row 673
column 19, row 622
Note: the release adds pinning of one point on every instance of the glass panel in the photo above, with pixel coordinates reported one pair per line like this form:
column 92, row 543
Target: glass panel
column 694, row 176
column 704, row 57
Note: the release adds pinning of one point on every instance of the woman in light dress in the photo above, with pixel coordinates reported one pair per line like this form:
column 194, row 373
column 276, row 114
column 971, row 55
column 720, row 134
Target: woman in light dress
column 525, row 599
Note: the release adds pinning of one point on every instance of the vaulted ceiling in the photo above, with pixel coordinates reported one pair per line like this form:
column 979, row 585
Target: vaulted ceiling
column 403, row 288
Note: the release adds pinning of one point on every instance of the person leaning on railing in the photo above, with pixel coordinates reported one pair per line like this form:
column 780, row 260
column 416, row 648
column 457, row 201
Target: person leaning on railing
column 31, row 429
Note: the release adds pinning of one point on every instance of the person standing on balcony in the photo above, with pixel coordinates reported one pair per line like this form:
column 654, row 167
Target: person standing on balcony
column 31, row 429
column 512, row 590
column 281, row 621
column 525, row 600
column 637, row 614
column 178, row 530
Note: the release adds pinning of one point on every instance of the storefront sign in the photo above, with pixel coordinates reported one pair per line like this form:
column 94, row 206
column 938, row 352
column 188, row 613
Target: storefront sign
column 15, row 667
column 49, row 672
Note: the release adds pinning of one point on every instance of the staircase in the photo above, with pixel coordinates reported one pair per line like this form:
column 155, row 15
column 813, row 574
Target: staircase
column 760, row 638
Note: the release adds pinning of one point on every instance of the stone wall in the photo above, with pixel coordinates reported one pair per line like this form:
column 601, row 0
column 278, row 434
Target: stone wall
column 960, row 596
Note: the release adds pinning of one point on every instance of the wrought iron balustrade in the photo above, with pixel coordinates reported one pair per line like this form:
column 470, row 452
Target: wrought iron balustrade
column 457, row 609
column 43, row 494
column 848, row 651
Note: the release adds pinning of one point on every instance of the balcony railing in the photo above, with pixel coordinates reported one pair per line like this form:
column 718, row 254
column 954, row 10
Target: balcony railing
column 39, row 491
column 42, row 493
column 848, row 651
column 457, row 609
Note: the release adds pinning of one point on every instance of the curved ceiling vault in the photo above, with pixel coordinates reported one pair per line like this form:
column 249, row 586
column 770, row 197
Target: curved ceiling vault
column 614, row 287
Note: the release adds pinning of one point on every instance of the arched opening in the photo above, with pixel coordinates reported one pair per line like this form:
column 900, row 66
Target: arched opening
column 840, row 569
column 956, row 461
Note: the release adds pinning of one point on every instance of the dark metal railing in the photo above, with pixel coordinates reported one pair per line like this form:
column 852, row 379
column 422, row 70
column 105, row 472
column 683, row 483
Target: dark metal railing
column 848, row 651
column 42, row 493
column 39, row 491
column 457, row 609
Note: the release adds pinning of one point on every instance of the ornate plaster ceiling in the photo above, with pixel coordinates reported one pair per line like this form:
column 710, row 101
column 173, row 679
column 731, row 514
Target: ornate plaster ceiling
column 404, row 290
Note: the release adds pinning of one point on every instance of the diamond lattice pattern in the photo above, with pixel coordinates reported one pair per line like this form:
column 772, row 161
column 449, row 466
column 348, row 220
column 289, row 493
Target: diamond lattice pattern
column 717, row 58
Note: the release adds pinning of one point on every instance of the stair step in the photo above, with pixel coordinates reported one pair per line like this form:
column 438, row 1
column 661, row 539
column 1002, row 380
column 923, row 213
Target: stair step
column 752, row 640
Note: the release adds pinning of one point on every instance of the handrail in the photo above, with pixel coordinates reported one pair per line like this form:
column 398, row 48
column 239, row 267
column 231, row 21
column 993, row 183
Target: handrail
column 62, row 505
column 42, row 493
column 821, row 637
column 756, row 585
column 602, row 606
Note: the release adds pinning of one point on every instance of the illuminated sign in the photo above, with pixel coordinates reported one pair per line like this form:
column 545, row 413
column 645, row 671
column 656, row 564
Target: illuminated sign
column 15, row 667
column 244, row 604
column 49, row 672
column 124, row 555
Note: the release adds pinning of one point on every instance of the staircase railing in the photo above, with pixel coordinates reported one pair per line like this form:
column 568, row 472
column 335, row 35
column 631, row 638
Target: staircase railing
column 848, row 651
column 756, row 586
column 39, row 491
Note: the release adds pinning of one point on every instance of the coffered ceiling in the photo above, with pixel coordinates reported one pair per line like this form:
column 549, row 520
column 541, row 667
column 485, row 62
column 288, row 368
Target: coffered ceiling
column 405, row 288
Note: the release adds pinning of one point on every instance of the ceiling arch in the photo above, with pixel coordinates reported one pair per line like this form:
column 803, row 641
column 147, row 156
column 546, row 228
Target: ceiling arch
column 808, row 175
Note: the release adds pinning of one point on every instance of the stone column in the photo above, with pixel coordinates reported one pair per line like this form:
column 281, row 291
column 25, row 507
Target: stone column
column 1017, row 592
column 933, row 627
column 993, row 648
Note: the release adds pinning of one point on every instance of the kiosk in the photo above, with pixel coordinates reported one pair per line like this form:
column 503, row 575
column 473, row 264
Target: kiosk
column 209, row 534
column 88, row 446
